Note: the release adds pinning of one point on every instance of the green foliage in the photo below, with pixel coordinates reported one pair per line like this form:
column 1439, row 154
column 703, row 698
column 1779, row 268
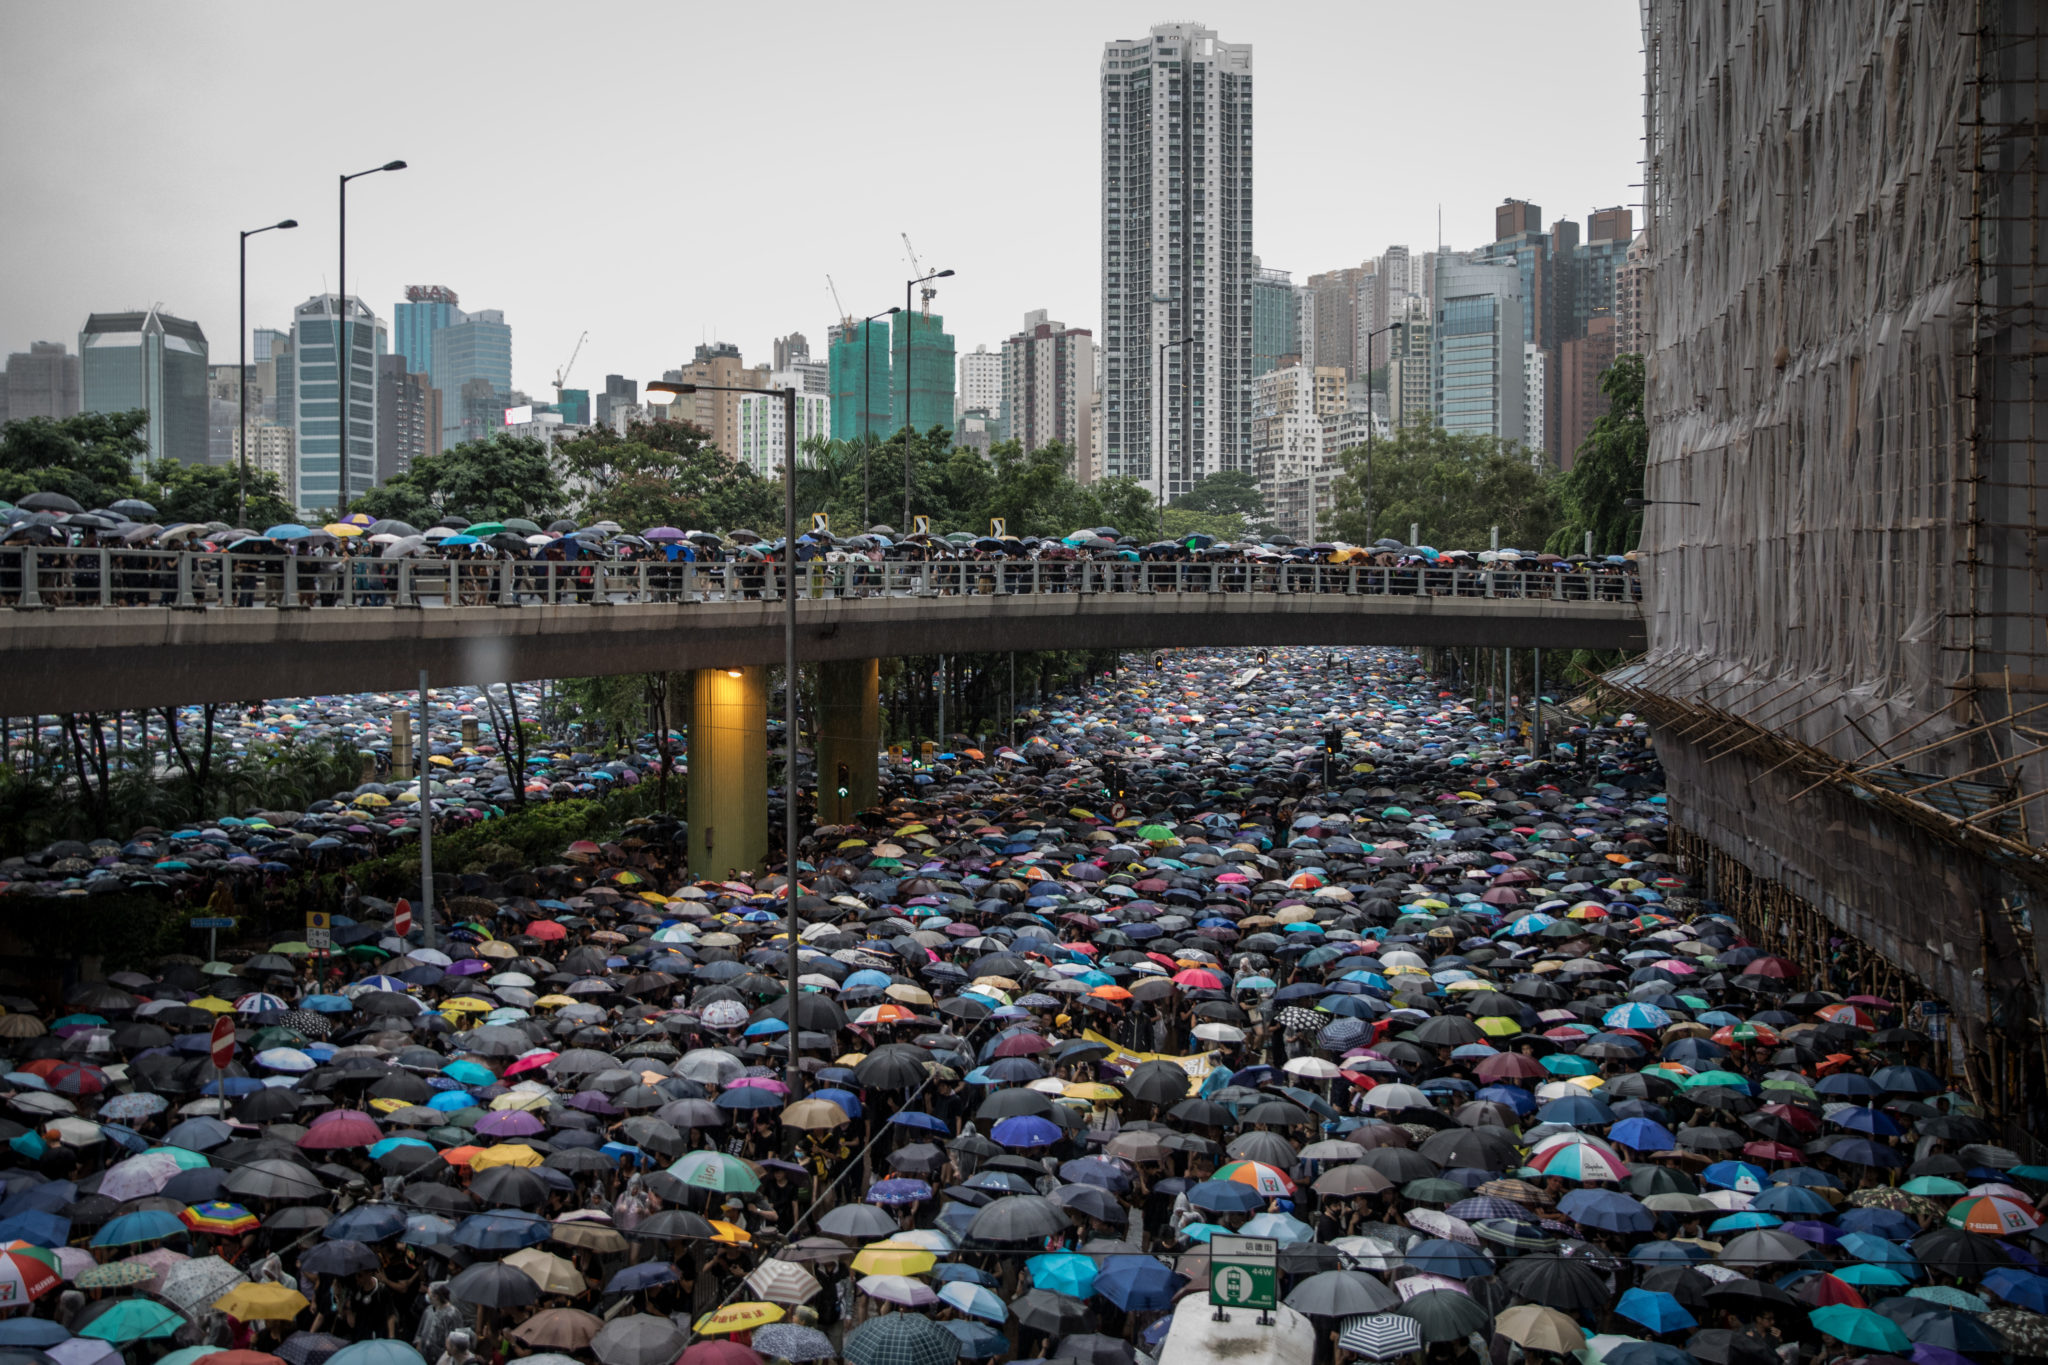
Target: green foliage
column 1182, row 522
column 666, row 474
column 1230, row 492
column 1456, row 487
column 488, row 480
column 529, row 838
column 205, row 492
column 1607, row 469
column 90, row 458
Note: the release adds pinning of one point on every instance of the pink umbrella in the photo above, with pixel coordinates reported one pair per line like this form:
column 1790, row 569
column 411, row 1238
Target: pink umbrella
column 533, row 1063
column 159, row 1262
column 341, row 1128
column 139, row 1176
column 757, row 1082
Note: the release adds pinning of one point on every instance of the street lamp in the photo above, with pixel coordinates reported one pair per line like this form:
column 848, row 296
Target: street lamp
column 867, row 403
column 1370, row 427
column 242, row 372
column 345, row 359
column 789, row 787
column 1186, row 420
column 909, row 349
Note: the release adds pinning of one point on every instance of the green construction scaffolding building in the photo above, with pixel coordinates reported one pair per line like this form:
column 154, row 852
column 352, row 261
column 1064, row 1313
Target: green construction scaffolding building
column 921, row 373
column 860, row 394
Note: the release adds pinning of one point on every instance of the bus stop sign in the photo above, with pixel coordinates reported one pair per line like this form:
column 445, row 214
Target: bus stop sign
column 1244, row 1272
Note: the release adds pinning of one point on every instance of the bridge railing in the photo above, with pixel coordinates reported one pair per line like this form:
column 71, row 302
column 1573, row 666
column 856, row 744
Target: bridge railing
column 34, row 578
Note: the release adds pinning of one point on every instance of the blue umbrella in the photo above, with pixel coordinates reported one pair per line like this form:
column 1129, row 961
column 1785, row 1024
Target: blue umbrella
column 978, row 1340
column 845, row 1099
column 1282, row 1228
column 34, row 1332
column 974, row 1299
column 1877, row 1251
column 146, row 1225
column 1139, row 1283
column 1224, row 1196
column 1106, row 1172
column 1026, row 1130
column 501, row 1230
column 911, row 1118
column 1441, row 1256
column 1660, row 1313
column 1606, row 1210
column 1792, row 1201
column 898, row 1192
column 36, row 1226
column 644, row 1275
column 377, row 1351
column 1064, row 1272
column 1736, row 1175
column 425, row 1230
column 1647, row 1353
column 1863, row 1119
column 1889, row 1224
column 366, row 1223
column 1577, row 1110
column 2020, row 1287
column 1644, row 1135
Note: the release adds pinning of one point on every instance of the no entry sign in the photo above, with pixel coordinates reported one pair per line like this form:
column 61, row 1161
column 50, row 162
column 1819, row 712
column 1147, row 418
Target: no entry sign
column 223, row 1041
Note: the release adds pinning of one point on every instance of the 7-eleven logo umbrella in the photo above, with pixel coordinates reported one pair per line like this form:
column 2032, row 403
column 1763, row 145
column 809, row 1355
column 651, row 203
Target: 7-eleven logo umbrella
column 25, row 1277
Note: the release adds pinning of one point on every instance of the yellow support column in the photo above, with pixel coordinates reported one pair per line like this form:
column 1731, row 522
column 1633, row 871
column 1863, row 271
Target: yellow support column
column 849, row 731
column 728, row 781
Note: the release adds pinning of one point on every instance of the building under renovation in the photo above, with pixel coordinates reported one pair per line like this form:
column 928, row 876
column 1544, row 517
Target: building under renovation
column 1848, row 657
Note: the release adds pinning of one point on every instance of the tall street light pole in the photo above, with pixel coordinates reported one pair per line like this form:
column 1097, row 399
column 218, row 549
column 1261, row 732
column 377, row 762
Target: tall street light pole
column 909, row 350
column 242, row 373
column 789, row 677
column 1369, row 430
column 345, row 367
column 867, row 403
column 1159, row 462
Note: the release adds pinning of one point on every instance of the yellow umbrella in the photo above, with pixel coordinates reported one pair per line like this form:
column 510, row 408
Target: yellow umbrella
column 389, row 1106
column 737, row 1317
column 344, row 529
column 213, row 1004
column 554, row 1002
column 522, row 1099
column 254, row 1302
column 1499, row 1025
column 893, row 1258
column 372, row 799
column 504, row 1154
column 1092, row 1090
column 1472, row 985
column 465, row 1004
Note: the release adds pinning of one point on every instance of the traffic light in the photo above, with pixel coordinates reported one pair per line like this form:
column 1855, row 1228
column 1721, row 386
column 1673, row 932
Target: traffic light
column 845, row 782
column 1333, row 741
column 1113, row 779
column 1262, row 656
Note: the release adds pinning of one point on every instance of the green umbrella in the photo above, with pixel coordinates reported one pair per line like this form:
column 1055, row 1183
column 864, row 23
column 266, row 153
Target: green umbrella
column 1446, row 1314
column 488, row 528
column 133, row 1320
column 521, row 525
column 1860, row 1327
column 1155, row 832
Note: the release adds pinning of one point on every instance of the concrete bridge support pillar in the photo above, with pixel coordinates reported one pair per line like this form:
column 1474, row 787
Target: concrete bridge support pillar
column 849, row 731
column 728, row 781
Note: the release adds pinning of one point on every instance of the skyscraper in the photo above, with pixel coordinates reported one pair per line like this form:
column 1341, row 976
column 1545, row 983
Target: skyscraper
column 408, row 416
column 981, row 383
column 310, row 401
column 1176, row 256
column 758, row 428
column 1276, row 319
column 153, row 361
column 858, row 357
column 426, row 310
column 717, row 364
column 42, row 381
column 474, row 348
column 1048, row 382
column 920, row 372
column 1478, row 371
column 619, row 391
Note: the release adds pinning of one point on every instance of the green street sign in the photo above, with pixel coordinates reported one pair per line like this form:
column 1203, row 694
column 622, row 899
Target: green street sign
column 1244, row 1272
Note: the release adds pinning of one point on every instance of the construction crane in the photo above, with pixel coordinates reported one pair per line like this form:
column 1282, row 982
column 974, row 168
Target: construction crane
column 844, row 316
column 562, row 375
column 929, row 291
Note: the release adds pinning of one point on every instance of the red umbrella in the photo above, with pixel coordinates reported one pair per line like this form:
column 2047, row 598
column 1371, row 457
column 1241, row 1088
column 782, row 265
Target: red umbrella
column 720, row 1353
column 1507, row 1066
column 341, row 1128
column 1776, row 967
column 1801, row 1118
column 546, row 930
column 1021, row 1045
column 1822, row 1290
column 75, row 1078
column 1772, row 1151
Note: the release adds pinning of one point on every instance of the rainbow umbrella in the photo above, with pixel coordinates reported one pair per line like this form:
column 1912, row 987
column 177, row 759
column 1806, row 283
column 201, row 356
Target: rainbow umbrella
column 220, row 1218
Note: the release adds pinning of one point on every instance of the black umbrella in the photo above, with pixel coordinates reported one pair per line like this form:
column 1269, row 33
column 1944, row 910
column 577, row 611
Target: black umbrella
column 1093, row 1349
column 1055, row 1315
column 1569, row 1284
column 1157, row 1082
column 1446, row 1315
column 1718, row 1346
column 515, row 1187
column 493, row 1284
column 1341, row 1293
column 1013, row 1218
column 1962, row 1255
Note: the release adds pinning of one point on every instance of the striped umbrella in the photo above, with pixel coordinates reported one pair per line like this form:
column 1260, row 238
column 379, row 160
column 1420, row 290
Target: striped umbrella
column 1582, row 1161
column 219, row 1217
column 1267, row 1180
column 1993, row 1215
column 1381, row 1336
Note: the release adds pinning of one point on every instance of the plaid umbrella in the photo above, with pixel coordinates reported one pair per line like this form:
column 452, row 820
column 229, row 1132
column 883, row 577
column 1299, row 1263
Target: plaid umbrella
column 901, row 1339
column 788, row 1341
column 1381, row 1336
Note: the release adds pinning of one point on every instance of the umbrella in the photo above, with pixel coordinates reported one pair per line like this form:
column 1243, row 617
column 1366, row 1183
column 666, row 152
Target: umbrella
column 1860, row 1327
column 1341, row 1293
column 1540, row 1329
column 791, row 1342
column 638, row 1339
column 1382, row 1336
column 253, row 1302
column 1445, row 1314
column 494, row 1284
column 559, row 1329
column 893, row 1339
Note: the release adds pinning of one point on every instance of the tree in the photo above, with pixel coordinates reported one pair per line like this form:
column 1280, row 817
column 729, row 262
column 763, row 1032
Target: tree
column 489, row 480
column 1455, row 487
column 1182, row 522
column 210, row 492
column 90, row 458
column 1608, row 469
column 1226, row 492
column 666, row 474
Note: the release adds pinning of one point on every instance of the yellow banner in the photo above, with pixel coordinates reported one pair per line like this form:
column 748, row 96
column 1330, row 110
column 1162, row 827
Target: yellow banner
column 1197, row 1065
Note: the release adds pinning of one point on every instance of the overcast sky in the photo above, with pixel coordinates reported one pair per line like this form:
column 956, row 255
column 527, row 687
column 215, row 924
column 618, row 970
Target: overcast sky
column 663, row 173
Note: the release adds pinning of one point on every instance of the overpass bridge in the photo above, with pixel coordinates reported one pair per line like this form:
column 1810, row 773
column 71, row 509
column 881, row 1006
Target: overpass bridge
column 108, row 629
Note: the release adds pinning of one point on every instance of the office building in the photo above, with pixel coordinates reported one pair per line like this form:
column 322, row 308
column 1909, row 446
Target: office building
column 1276, row 320
column 1048, row 382
column 1534, row 397
column 273, row 450
column 1411, row 369
column 43, row 381
column 474, row 349
column 223, row 411
column 857, row 355
column 311, row 400
column 981, row 383
column 789, row 350
column 1631, row 288
column 759, row 423
column 1330, row 320
column 264, row 342
column 1176, row 257
column 153, row 361
column 717, row 365
column 1579, row 402
column 1478, row 349
column 619, row 392
column 408, row 417
column 427, row 309
column 920, row 372
column 1292, row 463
